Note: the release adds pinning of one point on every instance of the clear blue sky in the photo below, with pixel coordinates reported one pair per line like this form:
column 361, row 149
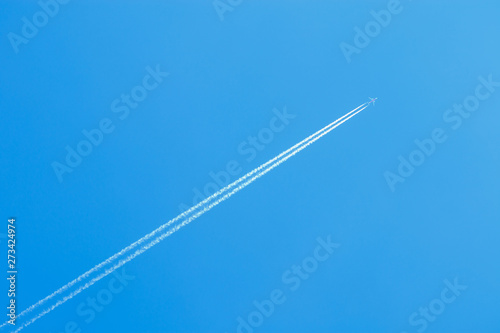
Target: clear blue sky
column 398, row 245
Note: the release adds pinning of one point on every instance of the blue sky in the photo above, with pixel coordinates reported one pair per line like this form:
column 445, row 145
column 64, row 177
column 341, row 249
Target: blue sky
column 228, row 74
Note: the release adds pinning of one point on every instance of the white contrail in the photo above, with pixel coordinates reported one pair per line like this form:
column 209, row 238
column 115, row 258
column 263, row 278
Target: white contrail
column 254, row 174
column 180, row 216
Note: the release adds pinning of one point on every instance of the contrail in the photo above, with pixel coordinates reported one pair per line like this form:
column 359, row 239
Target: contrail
column 235, row 186
column 180, row 216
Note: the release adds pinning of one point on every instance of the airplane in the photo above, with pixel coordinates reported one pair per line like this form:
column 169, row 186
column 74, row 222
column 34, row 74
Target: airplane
column 372, row 100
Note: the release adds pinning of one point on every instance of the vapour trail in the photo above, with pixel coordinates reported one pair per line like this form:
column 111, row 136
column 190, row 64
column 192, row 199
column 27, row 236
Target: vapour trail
column 178, row 217
column 256, row 173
